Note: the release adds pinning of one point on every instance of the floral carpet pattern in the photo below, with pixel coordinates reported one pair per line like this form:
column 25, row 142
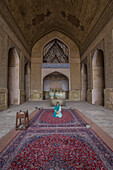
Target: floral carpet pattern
column 69, row 119
column 61, row 148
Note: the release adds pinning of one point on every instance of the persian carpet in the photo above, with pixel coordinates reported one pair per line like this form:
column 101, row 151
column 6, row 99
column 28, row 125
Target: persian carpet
column 57, row 144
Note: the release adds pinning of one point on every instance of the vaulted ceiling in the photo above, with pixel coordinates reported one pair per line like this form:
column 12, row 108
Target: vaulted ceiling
column 81, row 20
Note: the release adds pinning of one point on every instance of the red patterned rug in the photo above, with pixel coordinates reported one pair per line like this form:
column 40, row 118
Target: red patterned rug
column 61, row 148
column 69, row 119
column 47, row 117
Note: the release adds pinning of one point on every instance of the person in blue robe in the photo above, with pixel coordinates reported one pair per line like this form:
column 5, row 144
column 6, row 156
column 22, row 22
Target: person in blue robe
column 57, row 111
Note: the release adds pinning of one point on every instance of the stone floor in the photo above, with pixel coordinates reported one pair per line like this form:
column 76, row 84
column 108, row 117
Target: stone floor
column 8, row 117
column 99, row 115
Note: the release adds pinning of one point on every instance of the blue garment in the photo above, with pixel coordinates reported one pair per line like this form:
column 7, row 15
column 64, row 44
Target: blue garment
column 58, row 109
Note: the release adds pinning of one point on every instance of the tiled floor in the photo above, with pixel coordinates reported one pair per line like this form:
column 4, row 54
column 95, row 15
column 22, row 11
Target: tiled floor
column 99, row 115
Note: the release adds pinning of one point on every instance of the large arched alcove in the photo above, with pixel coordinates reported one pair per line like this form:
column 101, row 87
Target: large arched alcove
column 55, row 85
column 13, row 77
column 98, row 78
column 65, row 52
column 27, row 81
column 84, row 82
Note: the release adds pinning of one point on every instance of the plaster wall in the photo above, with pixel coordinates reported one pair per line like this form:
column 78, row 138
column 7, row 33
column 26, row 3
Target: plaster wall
column 58, row 84
column 83, row 82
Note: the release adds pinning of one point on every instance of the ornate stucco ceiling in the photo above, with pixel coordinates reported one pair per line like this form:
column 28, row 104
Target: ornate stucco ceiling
column 81, row 20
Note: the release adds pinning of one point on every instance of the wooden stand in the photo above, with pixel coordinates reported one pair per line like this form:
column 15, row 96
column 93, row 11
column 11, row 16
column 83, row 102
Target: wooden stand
column 19, row 116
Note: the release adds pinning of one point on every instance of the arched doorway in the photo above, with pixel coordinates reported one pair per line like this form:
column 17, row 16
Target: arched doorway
column 13, row 78
column 98, row 78
column 27, row 81
column 84, row 82
column 55, row 85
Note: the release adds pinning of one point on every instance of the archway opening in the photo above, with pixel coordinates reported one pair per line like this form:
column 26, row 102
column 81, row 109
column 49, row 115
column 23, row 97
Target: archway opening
column 13, row 78
column 84, row 82
column 27, row 81
column 55, row 86
column 98, row 78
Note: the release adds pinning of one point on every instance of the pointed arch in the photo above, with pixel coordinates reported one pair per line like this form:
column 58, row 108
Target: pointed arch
column 98, row 78
column 56, row 83
column 27, row 71
column 84, row 82
column 13, row 77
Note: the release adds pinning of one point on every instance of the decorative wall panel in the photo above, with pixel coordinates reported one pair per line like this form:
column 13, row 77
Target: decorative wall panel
column 2, row 98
